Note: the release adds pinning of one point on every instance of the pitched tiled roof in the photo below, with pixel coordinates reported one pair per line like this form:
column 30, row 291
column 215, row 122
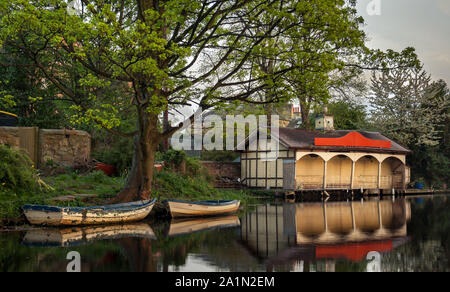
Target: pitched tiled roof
column 305, row 139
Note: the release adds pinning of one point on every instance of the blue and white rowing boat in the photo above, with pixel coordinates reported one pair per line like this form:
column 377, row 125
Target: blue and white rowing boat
column 73, row 216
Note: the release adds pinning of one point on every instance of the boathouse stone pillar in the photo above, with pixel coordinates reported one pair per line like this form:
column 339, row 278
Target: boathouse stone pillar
column 379, row 174
column 325, row 166
column 352, row 180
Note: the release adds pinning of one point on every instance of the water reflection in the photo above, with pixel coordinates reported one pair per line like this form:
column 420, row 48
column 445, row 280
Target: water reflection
column 411, row 235
column 188, row 226
column 289, row 233
column 74, row 236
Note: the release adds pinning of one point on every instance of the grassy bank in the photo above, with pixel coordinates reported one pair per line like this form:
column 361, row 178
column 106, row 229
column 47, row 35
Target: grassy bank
column 63, row 185
column 167, row 185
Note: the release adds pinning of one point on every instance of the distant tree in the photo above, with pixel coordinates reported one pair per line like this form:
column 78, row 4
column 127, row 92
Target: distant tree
column 348, row 115
column 22, row 92
column 433, row 162
column 406, row 107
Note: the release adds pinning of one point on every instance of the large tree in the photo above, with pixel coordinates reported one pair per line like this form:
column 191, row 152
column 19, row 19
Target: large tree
column 157, row 55
column 165, row 53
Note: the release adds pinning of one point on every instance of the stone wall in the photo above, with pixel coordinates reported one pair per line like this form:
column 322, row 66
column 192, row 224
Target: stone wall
column 223, row 169
column 226, row 174
column 10, row 136
column 66, row 148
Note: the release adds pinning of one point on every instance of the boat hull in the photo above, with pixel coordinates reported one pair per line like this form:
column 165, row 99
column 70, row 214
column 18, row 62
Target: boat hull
column 199, row 209
column 188, row 226
column 75, row 236
column 113, row 214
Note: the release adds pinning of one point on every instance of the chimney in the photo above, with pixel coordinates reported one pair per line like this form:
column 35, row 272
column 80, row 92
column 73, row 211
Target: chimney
column 325, row 121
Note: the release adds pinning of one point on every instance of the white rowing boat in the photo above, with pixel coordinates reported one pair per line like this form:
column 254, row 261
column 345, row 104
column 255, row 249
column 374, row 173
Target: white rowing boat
column 202, row 208
column 72, row 216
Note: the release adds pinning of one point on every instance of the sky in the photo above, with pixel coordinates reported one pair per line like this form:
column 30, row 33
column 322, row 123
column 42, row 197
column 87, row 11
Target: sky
column 422, row 24
column 397, row 24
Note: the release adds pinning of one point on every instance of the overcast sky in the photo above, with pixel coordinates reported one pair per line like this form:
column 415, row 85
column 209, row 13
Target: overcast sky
column 422, row 24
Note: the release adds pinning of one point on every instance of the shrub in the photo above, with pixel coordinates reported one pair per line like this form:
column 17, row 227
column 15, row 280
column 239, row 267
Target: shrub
column 17, row 172
column 172, row 159
column 119, row 154
column 168, row 184
column 115, row 150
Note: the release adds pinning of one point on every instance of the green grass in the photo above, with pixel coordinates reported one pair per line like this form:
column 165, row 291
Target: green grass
column 93, row 183
column 67, row 184
column 167, row 185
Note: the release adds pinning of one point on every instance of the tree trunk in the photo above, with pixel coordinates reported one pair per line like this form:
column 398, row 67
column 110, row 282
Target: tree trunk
column 305, row 114
column 140, row 179
column 139, row 253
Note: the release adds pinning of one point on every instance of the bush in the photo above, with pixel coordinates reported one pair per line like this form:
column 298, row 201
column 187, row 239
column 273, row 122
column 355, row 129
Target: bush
column 168, row 184
column 119, row 154
column 172, row 159
column 175, row 161
column 115, row 150
column 17, row 172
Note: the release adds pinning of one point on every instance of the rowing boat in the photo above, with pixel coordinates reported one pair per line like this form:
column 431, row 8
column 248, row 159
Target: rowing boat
column 202, row 208
column 188, row 226
column 75, row 236
column 73, row 216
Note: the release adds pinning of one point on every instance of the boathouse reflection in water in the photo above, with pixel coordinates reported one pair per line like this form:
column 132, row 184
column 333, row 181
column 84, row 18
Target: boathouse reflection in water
column 336, row 230
column 290, row 237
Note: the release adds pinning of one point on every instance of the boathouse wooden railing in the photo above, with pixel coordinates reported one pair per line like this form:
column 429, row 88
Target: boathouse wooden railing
column 309, row 182
column 315, row 182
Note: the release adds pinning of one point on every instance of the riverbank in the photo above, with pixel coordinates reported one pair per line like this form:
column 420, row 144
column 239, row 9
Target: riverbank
column 93, row 189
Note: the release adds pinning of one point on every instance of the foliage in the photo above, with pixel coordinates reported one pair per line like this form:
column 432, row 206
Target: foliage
column 348, row 115
column 23, row 92
column 114, row 150
column 115, row 55
column 194, row 184
column 172, row 158
column 62, row 185
column 178, row 161
column 414, row 111
column 170, row 185
column 406, row 108
column 17, row 172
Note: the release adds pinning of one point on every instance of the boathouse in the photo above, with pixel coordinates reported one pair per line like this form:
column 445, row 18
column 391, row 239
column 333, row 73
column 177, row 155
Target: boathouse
column 325, row 159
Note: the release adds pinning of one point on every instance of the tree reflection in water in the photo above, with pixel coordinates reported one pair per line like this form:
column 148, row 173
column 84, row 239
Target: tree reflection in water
column 412, row 235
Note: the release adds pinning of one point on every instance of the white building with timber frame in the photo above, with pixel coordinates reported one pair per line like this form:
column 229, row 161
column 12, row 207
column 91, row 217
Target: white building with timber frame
column 326, row 160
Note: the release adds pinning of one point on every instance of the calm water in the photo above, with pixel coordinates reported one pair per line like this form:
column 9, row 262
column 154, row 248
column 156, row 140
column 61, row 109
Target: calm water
column 402, row 235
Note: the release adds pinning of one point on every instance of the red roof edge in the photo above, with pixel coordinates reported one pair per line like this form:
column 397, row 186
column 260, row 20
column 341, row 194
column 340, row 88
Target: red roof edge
column 353, row 139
